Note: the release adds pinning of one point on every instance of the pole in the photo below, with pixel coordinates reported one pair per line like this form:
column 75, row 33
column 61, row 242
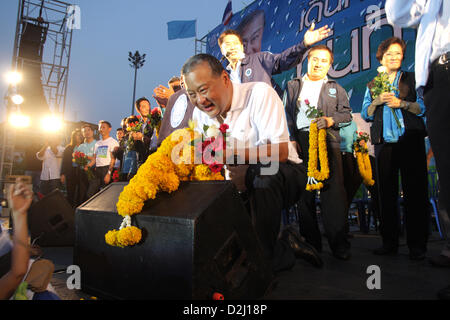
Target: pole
column 134, row 91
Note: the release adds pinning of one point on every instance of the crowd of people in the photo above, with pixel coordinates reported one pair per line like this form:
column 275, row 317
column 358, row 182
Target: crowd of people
column 273, row 126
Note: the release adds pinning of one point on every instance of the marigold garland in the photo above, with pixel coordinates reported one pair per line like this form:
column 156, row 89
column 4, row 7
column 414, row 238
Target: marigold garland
column 363, row 160
column 162, row 171
column 317, row 152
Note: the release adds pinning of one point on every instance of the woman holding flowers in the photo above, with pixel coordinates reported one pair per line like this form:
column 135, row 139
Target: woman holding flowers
column 397, row 131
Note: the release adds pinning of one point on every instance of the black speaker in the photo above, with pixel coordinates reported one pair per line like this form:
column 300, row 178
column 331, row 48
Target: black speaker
column 31, row 51
column 51, row 221
column 32, row 41
column 196, row 241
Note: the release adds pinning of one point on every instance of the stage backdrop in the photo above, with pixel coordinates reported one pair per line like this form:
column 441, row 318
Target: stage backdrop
column 358, row 28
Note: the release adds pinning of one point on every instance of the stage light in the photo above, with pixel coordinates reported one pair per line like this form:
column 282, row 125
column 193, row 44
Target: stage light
column 51, row 123
column 17, row 99
column 13, row 77
column 18, row 120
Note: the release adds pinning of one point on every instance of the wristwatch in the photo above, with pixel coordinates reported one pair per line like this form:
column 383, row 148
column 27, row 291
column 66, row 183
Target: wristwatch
column 405, row 105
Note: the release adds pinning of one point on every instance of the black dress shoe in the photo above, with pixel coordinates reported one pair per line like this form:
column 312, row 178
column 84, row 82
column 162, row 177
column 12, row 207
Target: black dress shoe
column 342, row 254
column 386, row 251
column 444, row 294
column 301, row 248
column 416, row 254
column 440, row 261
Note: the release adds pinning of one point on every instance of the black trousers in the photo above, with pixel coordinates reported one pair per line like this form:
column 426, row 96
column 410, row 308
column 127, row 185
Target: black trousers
column 72, row 186
column 98, row 182
column 333, row 201
column 407, row 156
column 353, row 180
column 437, row 102
column 268, row 196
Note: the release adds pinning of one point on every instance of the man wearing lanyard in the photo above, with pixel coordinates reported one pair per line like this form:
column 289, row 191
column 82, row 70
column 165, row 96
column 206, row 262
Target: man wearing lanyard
column 260, row 66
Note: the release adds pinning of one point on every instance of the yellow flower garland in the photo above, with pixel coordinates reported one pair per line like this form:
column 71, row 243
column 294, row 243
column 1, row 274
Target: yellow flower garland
column 363, row 160
column 317, row 151
column 158, row 173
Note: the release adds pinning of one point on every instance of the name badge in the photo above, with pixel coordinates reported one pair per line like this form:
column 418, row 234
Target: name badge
column 178, row 111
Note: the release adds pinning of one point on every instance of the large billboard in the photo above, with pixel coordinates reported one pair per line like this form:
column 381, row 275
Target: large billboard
column 358, row 28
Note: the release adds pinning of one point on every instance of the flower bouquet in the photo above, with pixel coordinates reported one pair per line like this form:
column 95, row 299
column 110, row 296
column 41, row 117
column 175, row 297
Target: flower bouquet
column 211, row 147
column 155, row 119
column 381, row 84
column 82, row 160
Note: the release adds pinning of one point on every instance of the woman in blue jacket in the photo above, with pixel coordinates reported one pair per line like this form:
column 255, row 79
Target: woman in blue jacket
column 398, row 132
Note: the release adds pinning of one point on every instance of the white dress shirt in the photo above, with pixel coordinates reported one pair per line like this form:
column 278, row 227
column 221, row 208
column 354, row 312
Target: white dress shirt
column 311, row 91
column 256, row 117
column 51, row 163
column 430, row 17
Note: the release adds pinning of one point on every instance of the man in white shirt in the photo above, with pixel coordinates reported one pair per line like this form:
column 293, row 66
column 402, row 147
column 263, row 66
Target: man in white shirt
column 432, row 70
column 257, row 125
column 51, row 156
column 103, row 158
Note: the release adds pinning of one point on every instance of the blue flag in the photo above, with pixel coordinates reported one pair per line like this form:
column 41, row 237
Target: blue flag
column 181, row 29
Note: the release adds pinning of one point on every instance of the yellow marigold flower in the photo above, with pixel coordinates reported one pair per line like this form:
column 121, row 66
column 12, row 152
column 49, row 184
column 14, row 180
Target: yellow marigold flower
column 317, row 153
column 128, row 236
column 111, row 237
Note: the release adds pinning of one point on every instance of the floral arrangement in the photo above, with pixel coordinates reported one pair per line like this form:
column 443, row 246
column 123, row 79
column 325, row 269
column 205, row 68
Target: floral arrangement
column 115, row 175
column 212, row 146
column 362, row 158
column 174, row 161
column 82, row 160
column 155, row 119
column 382, row 84
column 317, row 151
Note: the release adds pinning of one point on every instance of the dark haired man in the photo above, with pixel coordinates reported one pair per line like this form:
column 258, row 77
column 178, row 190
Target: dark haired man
column 147, row 136
column 251, row 30
column 317, row 91
column 87, row 147
column 257, row 135
column 103, row 158
column 51, row 156
column 260, row 66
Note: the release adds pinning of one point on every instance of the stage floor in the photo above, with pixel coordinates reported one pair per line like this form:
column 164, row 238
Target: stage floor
column 400, row 278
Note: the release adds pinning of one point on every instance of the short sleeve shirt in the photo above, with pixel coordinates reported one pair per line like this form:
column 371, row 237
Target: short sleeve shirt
column 103, row 149
column 256, row 116
column 87, row 148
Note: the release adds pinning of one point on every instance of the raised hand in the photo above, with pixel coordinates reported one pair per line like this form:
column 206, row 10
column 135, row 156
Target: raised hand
column 312, row 36
column 20, row 197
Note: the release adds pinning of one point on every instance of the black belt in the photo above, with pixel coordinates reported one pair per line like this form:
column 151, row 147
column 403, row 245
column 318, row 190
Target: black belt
column 442, row 60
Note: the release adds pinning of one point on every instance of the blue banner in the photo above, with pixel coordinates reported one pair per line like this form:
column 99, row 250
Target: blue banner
column 358, row 26
column 181, row 29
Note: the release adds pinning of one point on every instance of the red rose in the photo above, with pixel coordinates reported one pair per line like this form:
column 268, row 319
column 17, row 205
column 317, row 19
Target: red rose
column 223, row 128
column 215, row 167
column 307, row 101
column 156, row 110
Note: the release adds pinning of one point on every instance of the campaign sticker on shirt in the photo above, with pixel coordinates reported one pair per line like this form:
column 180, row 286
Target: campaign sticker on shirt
column 102, row 152
column 248, row 72
column 332, row 92
column 178, row 111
